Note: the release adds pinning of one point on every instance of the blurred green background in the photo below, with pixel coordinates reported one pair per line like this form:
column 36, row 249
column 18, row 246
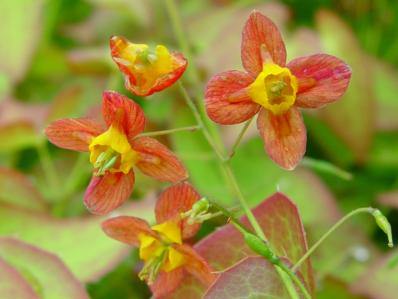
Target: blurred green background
column 55, row 63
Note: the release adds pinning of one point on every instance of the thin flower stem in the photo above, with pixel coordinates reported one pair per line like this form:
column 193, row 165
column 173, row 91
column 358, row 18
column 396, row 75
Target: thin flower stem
column 199, row 120
column 329, row 232
column 171, row 131
column 239, row 138
column 294, row 278
column 326, row 167
column 288, row 282
column 193, row 77
column 48, row 167
column 224, row 166
column 279, row 265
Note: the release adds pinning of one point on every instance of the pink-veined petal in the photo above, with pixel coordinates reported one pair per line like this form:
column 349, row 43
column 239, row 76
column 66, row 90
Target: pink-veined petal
column 284, row 136
column 175, row 200
column 227, row 101
column 106, row 193
column 261, row 42
column 119, row 110
column 73, row 133
column 196, row 265
column 322, row 79
column 166, row 283
column 157, row 161
column 126, row 229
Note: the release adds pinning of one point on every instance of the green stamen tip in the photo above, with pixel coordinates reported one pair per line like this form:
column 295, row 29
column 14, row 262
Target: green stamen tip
column 106, row 160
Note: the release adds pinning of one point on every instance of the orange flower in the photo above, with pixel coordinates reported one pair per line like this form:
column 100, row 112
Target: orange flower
column 115, row 150
column 275, row 90
column 161, row 246
column 146, row 70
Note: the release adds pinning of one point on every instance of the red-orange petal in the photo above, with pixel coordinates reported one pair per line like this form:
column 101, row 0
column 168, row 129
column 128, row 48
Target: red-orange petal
column 119, row 110
column 126, row 229
column 175, row 200
column 108, row 192
column 119, row 43
column 226, row 99
column 284, row 136
column 73, row 133
column 196, row 265
column 322, row 79
column 166, row 283
column 157, row 161
column 261, row 42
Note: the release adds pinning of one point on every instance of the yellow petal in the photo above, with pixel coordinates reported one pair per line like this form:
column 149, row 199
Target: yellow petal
column 170, row 231
column 174, row 260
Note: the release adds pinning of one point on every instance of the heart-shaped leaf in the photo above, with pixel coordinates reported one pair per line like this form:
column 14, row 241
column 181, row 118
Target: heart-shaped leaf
column 281, row 223
column 357, row 106
column 13, row 284
column 45, row 273
column 252, row 275
column 16, row 189
column 79, row 242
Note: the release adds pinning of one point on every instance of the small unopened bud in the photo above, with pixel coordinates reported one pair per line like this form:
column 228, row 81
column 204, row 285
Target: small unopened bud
column 385, row 226
column 199, row 211
column 201, row 206
column 260, row 247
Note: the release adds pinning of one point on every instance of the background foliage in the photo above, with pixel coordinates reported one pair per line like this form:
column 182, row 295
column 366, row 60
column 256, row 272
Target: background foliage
column 55, row 62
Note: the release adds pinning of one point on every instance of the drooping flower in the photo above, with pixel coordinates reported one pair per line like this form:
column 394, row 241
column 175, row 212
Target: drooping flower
column 114, row 150
column 161, row 247
column 146, row 70
column 275, row 90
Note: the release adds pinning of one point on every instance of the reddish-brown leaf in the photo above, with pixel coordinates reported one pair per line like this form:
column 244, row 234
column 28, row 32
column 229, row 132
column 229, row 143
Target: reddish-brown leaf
column 252, row 275
column 281, row 223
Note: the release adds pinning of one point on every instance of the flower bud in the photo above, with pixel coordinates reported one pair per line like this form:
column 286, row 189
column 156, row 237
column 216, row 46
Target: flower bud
column 260, row 247
column 385, row 226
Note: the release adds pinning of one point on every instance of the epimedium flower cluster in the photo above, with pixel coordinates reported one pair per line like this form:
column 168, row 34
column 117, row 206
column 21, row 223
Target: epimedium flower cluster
column 268, row 87
column 116, row 148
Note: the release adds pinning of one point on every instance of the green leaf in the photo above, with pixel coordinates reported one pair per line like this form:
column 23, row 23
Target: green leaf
column 79, row 242
column 17, row 190
column 17, row 136
column 44, row 272
column 380, row 279
column 20, row 33
column 253, row 277
column 356, row 107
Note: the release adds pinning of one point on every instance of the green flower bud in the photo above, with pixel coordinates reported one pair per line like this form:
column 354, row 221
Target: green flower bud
column 260, row 247
column 385, row 226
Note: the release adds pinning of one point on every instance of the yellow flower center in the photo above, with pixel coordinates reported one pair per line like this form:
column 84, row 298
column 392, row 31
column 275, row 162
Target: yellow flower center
column 159, row 255
column 275, row 88
column 112, row 152
column 146, row 65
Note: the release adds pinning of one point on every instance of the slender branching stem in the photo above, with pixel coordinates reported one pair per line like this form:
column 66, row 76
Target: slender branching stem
column 239, row 138
column 329, row 232
column 171, row 131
